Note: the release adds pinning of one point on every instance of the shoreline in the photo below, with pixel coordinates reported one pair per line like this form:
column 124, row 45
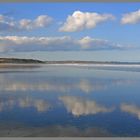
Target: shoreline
column 67, row 64
column 96, row 65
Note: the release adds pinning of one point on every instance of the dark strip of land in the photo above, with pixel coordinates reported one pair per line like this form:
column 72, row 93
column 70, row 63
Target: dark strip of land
column 34, row 61
column 19, row 61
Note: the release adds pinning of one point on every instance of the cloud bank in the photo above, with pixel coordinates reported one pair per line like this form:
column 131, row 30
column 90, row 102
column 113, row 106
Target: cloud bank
column 84, row 20
column 65, row 43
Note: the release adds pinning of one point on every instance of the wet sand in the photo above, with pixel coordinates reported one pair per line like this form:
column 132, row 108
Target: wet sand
column 15, row 66
column 16, row 130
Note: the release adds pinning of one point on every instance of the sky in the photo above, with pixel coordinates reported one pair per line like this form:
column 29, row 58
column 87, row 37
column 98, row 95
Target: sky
column 70, row 31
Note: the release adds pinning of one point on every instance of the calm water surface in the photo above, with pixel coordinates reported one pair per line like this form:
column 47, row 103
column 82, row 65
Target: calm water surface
column 69, row 101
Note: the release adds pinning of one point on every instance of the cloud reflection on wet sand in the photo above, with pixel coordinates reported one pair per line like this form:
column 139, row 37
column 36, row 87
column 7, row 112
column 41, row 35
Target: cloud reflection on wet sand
column 63, row 85
column 78, row 106
column 39, row 104
column 131, row 109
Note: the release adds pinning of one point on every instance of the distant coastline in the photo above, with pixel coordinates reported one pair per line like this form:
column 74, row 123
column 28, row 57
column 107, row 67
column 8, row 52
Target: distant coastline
column 34, row 61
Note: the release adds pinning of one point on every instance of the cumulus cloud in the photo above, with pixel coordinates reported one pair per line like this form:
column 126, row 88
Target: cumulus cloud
column 65, row 43
column 79, row 107
column 132, row 109
column 84, row 20
column 10, row 24
column 131, row 18
column 40, row 22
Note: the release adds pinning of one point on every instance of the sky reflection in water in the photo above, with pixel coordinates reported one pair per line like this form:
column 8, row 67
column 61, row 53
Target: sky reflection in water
column 69, row 101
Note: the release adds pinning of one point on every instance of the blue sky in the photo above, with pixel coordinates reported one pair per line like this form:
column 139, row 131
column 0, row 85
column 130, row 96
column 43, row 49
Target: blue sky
column 107, row 31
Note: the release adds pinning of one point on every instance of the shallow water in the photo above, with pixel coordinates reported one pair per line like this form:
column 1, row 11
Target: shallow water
column 69, row 101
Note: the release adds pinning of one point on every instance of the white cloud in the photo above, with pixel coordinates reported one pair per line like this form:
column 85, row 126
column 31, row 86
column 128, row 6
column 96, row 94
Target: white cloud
column 16, row 43
column 92, row 43
column 65, row 43
column 84, row 20
column 7, row 23
column 131, row 18
column 10, row 24
column 132, row 109
column 80, row 107
column 39, row 22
